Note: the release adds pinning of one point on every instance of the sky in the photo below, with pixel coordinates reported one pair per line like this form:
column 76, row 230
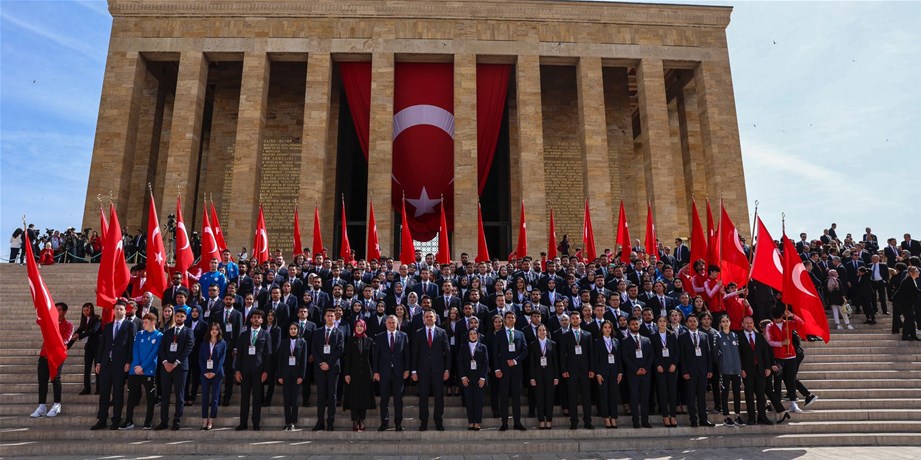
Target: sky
column 826, row 93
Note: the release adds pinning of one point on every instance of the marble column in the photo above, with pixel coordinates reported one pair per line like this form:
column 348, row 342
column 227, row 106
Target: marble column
column 594, row 134
column 465, row 155
column 116, row 134
column 380, row 150
column 530, row 165
column 719, row 132
column 315, row 143
column 656, row 140
column 185, row 137
column 247, row 158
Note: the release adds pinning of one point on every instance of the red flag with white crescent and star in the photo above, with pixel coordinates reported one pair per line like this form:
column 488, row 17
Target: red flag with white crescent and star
column 209, row 248
column 374, row 245
column 345, row 248
column 218, row 233
column 184, row 255
column 46, row 315
column 423, row 144
column 767, row 266
column 588, row 235
column 113, row 276
column 734, row 265
column 261, row 240
column 652, row 241
column 155, row 264
column 444, row 248
column 799, row 292
column 623, row 235
column 699, row 244
column 407, row 247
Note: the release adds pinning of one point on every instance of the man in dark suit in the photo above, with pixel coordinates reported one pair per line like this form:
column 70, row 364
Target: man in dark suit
column 852, row 266
column 175, row 348
column 431, row 364
column 696, row 366
column 904, row 301
column 910, row 245
column 443, row 303
column 802, row 246
column 659, row 303
column 231, row 322
column 756, row 358
column 682, row 254
column 576, row 364
column 638, row 360
column 112, row 361
column 391, row 368
column 305, row 329
column 327, row 347
column 879, row 279
column 511, row 350
column 892, row 252
column 253, row 350
column 169, row 295
column 426, row 286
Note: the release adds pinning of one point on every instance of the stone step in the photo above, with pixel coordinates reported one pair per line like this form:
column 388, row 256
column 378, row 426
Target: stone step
column 434, row 443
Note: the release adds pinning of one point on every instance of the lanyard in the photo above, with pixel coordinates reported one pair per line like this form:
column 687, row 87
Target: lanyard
column 210, row 349
column 609, row 344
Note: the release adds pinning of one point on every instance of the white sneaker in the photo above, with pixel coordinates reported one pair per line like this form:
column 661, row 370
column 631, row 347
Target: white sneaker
column 838, row 326
column 794, row 408
column 850, row 327
column 55, row 410
column 40, row 411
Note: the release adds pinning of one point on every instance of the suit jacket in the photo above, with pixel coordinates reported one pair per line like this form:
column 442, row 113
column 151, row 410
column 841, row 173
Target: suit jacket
column 431, row 289
column 671, row 343
column 260, row 361
column 480, row 355
column 430, row 360
column 600, row 357
column 503, row 353
column 336, row 348
column 576, row 364
column 593, row 328
column 658, row 307
column 883, row 271
column 441, row 307
column 217, row 356
column 682, row 256
column 91, row 331
column 755, row 360
column 907, row 294
column 690, row 362
column 235, row 319
column 543, row 375
column 285, row 370
column 169, row 295
column 914, row 247
column 119, row 347
column 246, row 285
column 891, row 254
column 397, row 360
column 184, row 341
column 631, row 362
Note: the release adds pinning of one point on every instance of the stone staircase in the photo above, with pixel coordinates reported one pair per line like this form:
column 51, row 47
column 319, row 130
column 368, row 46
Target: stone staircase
column 868, row 381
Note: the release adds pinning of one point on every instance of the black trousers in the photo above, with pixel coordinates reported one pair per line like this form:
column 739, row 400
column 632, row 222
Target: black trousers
column 578, row 387
column 639, row 396
column 697, row 397
column 326, row 394
column 135, row 383
column 305, row 387
column 510, row 386
column 667, row 390
column 473, row 401
column 608, row 397
column 194, row 378
column 493, row 388
column 787, row 375
column 44, row 375
column 89, row 361
column 879, row 290
column 269, row 386
column 172, row 382
column 733, row 381
column 111, row 385
column 291, row 391
column 251, row 388
column 543, row 393
column 431, row 385
column 754, row 390
column 773, row 395
column 908, row 323
column 392, row 387
column 229, row 379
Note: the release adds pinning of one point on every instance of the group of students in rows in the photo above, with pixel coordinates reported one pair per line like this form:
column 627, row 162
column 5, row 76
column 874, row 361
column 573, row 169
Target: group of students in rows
column 603, row 345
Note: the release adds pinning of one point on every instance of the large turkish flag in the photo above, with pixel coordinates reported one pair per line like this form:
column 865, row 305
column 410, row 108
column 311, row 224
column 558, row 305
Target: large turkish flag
column 423, row 144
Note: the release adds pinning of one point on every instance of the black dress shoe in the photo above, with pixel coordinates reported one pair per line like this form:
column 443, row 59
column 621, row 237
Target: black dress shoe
column 257, row 428
column 520, row 427
column 573, row 426
column 330, row 427
column 399, row 428
column 240, row 427
column 85, row 392
column 504, row 427
column 424, row 427
column 784, row 418
column 161, row 426
column 100, row 425
column 636, row 424
column 589, row 426
column 175, row 426
column 319, row 427
column 707, row 423
column 752, row 421
column 647, row 425
column 762, row 420
column 694, row 425
column 439, row 427
column 383, row 427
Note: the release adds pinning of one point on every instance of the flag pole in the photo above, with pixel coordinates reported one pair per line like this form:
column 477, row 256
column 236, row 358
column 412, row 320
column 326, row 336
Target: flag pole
column 786, row 306
column 751, row 252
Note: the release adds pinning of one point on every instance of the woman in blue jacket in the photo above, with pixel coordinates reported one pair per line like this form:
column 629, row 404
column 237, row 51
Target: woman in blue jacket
column 211, row 362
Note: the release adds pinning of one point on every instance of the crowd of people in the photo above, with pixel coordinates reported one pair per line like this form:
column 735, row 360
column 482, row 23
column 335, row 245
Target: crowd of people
column 597, row 338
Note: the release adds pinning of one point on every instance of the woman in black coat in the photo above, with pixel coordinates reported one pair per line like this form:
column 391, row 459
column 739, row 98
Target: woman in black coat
column 608, row 373
column 544, row 375
column 665, row 362
column 89, row 329
column 271, row 326
column 359, row 396
column 291, row 369
column 473, row 369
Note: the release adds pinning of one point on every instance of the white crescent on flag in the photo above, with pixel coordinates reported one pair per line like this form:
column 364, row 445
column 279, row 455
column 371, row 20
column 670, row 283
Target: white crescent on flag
column 181, row 227
column 423, row 114
column 265, row 240
column 798, row 280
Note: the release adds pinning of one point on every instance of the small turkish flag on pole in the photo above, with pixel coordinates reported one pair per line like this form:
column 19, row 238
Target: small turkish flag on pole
column 623, row 235
column 345, row 249
column 767, row 266
column 698, row 238
column 522, row 249
column 113, row 276
column 47, row 315
column 734, row 266
column 551, row 243
column 184, row 255
column 155, row 264
column 209, row 248
column 482, row 251
column 444, row 248
column 588, row 235
column 713, row 242
column 317, row 237
column 261, row 241
column 799, row 292
column 652, row 241
column 374, row 245
column 218, row 233
column 407, row 248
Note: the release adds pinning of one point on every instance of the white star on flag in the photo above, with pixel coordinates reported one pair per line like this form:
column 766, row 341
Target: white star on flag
column 424, row 204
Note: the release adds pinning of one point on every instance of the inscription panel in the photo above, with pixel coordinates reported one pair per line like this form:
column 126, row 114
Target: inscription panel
column 279, row 186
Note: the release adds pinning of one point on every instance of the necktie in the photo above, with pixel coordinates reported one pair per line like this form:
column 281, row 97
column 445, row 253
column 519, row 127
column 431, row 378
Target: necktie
column 430, row 337
column 328, row 331
column 391, row 342
column 510, row 339
column 115, row 329
column 751, row 340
